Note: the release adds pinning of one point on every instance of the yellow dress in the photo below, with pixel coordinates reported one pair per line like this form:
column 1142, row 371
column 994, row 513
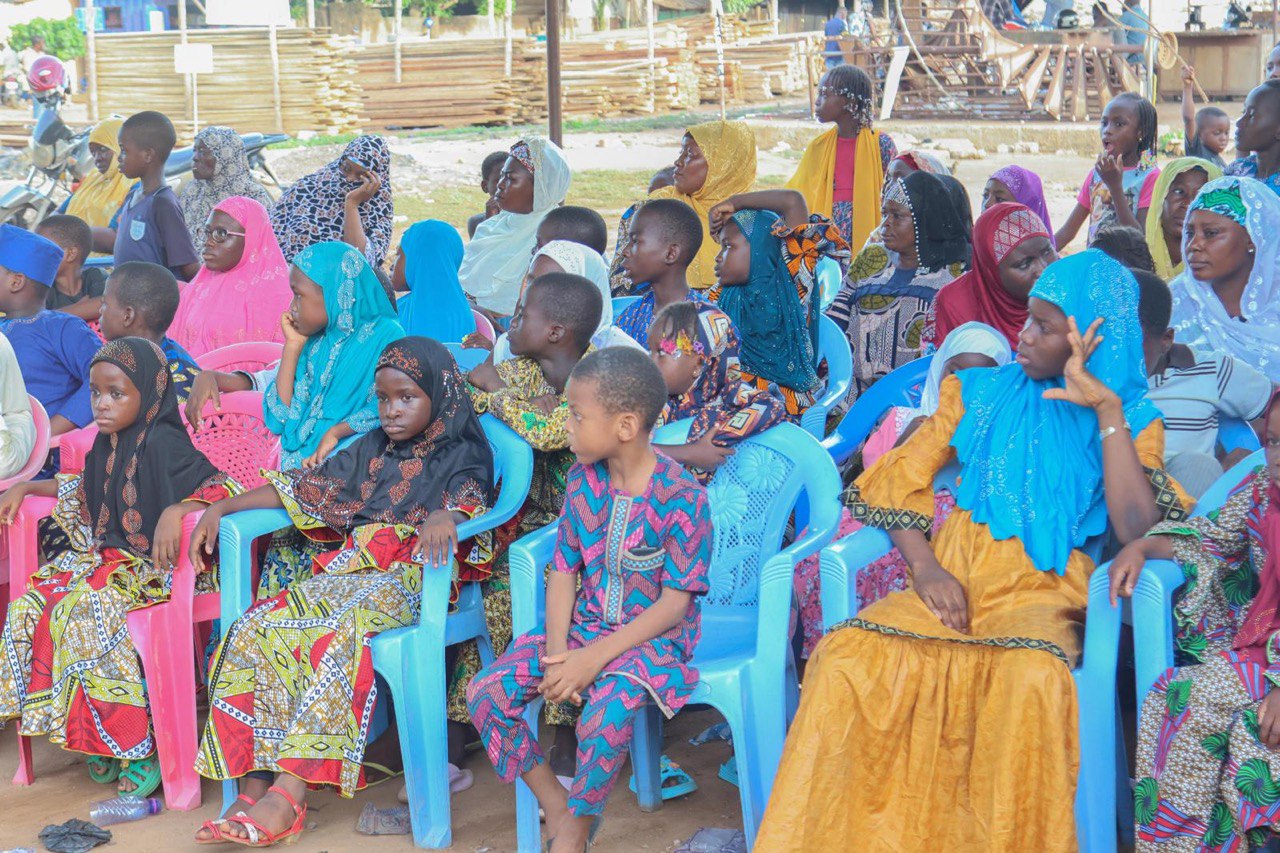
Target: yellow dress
column 912, row 736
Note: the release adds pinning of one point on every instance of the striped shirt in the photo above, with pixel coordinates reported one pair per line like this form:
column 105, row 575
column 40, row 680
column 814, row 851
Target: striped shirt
column 1193, row 399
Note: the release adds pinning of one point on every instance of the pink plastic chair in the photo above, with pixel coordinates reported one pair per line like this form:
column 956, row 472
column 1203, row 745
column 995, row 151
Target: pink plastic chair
column 484, row 327
column 238, row 442
column 249, row 357
column 39, row 451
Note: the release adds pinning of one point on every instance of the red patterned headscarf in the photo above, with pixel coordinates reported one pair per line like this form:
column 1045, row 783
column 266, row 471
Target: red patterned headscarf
column 978, row 294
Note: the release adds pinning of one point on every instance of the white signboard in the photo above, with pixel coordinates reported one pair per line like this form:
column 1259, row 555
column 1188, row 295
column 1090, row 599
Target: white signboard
column 193, row 59
column 247, row 13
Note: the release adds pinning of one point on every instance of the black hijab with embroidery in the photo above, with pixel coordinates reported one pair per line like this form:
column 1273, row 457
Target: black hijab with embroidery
column 134, row 475
column 449, row 465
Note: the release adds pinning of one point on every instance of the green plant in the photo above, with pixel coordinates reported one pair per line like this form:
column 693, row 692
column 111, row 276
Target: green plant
column 62, row 37
column 737, row 7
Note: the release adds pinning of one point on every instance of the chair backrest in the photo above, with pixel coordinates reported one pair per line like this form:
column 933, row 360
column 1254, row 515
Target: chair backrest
column 1235, row 434
column 834, row 349
column 484, row 326
column 902, row 387
column 235, row 438
column 74, row 447
column 829, row 279
column 39, row 450
column 1216, row 495
column 512, row 466
column 752, row 497
column 250, row 357
column 622, row 303
column 467, row 358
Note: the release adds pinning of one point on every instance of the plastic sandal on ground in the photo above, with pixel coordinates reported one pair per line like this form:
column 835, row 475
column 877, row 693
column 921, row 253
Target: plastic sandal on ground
column 103, row 770
column 215, row 826
column 259, row 836
column 672, row 773
column 144, row 774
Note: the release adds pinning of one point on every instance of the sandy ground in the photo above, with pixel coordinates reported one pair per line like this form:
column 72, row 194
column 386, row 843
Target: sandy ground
column 483, row 817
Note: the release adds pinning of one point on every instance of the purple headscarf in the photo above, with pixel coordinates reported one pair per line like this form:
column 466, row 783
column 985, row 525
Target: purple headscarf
column 1026, row 188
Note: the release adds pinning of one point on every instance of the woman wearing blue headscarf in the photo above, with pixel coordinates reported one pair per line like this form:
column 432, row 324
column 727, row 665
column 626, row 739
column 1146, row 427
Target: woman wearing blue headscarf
column 947, row 711
column 427, row 266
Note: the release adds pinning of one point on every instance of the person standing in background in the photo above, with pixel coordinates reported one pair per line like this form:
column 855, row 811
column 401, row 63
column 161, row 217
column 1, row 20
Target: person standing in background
column 836, row 27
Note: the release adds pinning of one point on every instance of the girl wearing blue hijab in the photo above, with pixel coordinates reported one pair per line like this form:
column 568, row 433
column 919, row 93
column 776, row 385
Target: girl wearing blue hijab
column 338, row 323
column 1053, row 449
column 435, row 307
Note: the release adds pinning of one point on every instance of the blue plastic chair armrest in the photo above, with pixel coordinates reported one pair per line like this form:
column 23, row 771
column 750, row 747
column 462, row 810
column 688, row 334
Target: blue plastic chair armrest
column 1153, row 621
column 528, row 558
column 839, row 564
column 1235, row 434
column 236, row 533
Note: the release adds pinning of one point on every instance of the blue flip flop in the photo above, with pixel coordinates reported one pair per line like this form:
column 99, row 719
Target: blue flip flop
column 675, row 781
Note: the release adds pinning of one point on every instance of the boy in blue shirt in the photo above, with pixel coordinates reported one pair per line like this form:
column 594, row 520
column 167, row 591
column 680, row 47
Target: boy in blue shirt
column 54, row 349
column 139, row 301
column 150, row 226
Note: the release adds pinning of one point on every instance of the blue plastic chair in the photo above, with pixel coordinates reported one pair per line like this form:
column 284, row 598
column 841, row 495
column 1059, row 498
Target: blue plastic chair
column 833, row 348
column 744, row 656
column 467, row 359
column 1095, row 806
column 411, row 659
column 830, row 277
column 622, row 303
column 1153, row 594
column 902, row 387
column 1235, row 434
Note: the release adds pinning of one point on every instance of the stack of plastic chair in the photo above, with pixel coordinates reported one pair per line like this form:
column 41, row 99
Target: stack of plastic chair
column 236, row 441
column 1159, row 582
column 902, row 387
column 744, row 655
column 833, row 348
column 410, row 660
column 1095, row 806
column 250, row 356
column 39, row 451
column 484, row 326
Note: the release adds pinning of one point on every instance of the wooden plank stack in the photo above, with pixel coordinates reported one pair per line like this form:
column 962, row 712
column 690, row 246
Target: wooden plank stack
column 604, row 75
column 317, row 82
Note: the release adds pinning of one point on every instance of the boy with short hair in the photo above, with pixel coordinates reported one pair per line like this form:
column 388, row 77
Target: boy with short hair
column 54, row 349
column 489, row 171
column 1193, row 392
column 151, row 227
column 580, row 225
column 77, row 290
column 140, row 301
column 1207, row 133
column 664, row 238
column 609, row 653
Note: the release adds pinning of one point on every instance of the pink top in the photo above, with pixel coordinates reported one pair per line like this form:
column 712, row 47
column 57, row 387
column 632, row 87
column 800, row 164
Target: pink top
column 846, row 155
column 1144, row 194
column 243, row 303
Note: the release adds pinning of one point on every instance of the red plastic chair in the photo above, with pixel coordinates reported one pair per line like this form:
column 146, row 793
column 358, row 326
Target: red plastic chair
column 238, row 442
column 249, row 357
column 484, row 327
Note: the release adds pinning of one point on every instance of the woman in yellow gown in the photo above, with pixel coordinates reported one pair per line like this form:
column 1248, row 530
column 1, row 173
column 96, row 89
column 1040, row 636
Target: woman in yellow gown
column 944, row 716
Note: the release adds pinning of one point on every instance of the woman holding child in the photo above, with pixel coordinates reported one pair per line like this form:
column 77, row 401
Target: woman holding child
column 1053, row 450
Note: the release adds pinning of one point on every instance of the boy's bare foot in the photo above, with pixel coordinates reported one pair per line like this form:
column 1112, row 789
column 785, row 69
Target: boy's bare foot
column 571, row 833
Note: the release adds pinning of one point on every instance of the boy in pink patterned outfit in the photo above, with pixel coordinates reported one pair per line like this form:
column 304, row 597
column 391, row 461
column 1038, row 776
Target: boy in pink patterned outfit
column 636, row 532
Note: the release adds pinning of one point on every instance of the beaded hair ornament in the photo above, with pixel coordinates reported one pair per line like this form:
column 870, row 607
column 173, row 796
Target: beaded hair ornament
column 897, row 191
column 680, row 344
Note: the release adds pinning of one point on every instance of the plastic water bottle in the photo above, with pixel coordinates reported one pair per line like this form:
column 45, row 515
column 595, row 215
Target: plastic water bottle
column 124, row 809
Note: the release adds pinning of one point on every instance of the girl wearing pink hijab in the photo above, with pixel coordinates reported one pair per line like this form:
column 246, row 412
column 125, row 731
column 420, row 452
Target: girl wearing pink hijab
column 243, row 287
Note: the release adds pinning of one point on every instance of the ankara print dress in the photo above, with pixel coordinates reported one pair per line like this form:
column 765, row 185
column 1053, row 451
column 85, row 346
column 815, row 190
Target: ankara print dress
column 291, row 686
column 68, row 668
column 1205, row 780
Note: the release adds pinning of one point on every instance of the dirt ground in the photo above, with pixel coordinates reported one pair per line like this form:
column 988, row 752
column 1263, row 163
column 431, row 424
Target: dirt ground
column 483, row 817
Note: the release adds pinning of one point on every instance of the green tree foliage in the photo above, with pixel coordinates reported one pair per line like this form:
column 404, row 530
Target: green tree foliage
column 63, row 38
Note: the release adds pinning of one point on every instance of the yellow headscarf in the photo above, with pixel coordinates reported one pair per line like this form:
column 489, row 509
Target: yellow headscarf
column 730, row 149
column 100, row 195
column 815, row 179
column 1155, row 233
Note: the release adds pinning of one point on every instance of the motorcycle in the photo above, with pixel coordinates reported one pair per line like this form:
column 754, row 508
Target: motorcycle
column 60, row 160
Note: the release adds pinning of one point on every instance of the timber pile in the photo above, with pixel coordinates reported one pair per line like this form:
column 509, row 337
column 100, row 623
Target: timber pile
column 604, row 75
column 985, row 74
column 318, row 91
